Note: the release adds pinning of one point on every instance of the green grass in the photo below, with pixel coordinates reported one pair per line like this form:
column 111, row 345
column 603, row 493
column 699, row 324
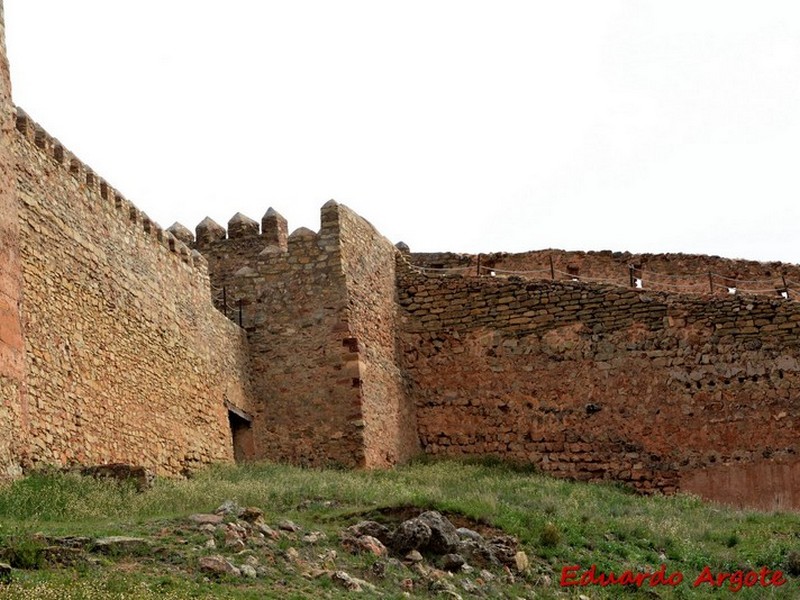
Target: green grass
column 559, row 523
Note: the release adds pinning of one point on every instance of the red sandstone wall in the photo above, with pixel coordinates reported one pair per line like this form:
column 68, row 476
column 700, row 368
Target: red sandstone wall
column 127, row 359
column 11, row 345
column 602, row 383
column 368, row 260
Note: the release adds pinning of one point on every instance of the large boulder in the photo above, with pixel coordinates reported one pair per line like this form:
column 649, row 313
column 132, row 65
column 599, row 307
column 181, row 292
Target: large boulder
column 414, row 534
column 444, row 537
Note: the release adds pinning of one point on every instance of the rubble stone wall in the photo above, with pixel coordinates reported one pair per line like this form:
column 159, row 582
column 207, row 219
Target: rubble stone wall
column 127, row 359
column 603, row 383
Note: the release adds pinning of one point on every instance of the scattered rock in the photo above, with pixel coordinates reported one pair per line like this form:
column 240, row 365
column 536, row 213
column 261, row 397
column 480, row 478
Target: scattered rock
column 413, row 534
column 234, row 544
column 328, row 558
column 452, row 562
column 205, row 519
column 364, row 544
column 120, row 544
column 479, row 554
column 316, row 573
column 346, row 581
column 5, row 573
column 229, row 507
column 504, row 548
column 314, row 537
column 218, row 565
column 414, row 556
column 371, row 528
column 292, row 554
column 210, row 544
column 268, row 531
column 442, row 586
column 469, row 534
column 248, row 571
column 444, row 537
column 251, row 560
column 252, row 515
column 378, row 569
column 287, row 525
column 522, row 562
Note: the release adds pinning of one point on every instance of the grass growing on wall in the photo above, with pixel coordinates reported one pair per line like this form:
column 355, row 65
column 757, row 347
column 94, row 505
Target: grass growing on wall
column 559, row 523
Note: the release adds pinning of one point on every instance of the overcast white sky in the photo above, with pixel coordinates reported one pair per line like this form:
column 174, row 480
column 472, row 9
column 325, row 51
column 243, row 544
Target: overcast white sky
column 451, row 125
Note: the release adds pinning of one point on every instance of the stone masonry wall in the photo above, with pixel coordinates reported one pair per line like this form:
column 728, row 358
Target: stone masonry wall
column 682, row 273
column 11, row 344
column 593, row 382
column 127, row 358
column 295, row 310
column 368, row 261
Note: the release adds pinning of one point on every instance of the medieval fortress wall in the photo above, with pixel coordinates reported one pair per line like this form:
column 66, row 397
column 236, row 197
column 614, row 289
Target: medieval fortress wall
column 126, row 357
column 120, row 341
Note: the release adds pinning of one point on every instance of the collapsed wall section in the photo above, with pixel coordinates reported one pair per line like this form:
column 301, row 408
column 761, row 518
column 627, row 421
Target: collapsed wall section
column 11, row 336
column 592, row 382
column 127, row 358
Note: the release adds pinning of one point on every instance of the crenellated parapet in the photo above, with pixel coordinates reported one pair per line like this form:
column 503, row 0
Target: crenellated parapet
column 273, row 230
column 101, row 191
column 247, row 262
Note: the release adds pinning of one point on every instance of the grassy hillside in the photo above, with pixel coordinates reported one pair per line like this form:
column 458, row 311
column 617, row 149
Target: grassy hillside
column 558, row 524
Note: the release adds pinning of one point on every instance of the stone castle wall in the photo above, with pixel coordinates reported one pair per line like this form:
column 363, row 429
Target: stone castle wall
column 127, row 359
column 112, row 350
column 11, row 344
column 598, row 382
